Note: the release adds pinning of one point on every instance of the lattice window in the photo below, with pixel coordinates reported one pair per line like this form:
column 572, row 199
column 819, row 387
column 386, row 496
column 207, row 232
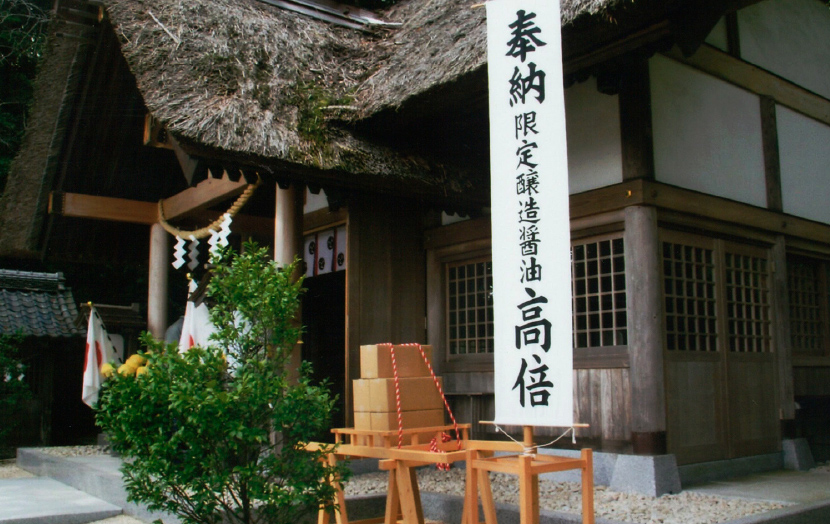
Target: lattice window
column 690, row 298
column 809, row 296
column 599, row 308
column 470, row 307
column 747, row 303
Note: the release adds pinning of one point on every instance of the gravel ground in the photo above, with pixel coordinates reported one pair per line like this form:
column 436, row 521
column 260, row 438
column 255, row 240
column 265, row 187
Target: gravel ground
column 120, row 519
column 8, row 470
column 683, row 508
column 74, row 451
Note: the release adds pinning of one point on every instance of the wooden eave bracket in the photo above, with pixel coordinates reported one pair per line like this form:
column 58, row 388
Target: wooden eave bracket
column 141, row 212
column 207, row 193
column 193, row 200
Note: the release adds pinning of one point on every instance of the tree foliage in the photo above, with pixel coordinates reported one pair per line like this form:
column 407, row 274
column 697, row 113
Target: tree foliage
column 213, row 442
column 22, row 30
column 13, row 388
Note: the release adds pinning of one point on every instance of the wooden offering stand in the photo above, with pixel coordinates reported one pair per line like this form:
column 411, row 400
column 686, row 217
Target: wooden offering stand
column 528, row 465
column 403, row 502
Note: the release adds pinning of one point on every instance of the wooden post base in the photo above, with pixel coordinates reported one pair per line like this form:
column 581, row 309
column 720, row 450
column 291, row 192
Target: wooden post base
column 527, row 466
column 403, row 502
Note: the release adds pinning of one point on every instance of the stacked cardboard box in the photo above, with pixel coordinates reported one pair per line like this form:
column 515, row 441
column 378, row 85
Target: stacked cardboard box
column 374, row 393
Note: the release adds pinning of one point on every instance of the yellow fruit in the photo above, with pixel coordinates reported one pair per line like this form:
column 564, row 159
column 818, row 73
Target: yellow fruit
column 141, row 370
column 126, row 370
column 136, row 361
column 107, row 370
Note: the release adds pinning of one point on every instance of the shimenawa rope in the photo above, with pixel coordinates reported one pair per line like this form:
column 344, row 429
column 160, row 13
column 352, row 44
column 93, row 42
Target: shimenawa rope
column 216, row 224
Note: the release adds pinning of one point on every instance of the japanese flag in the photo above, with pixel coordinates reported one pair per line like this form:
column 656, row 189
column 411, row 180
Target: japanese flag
column 99, row 350
column 196, row 328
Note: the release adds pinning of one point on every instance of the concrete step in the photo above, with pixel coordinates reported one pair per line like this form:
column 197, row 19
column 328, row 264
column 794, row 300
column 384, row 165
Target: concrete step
column 41, row 500
column 98, row 476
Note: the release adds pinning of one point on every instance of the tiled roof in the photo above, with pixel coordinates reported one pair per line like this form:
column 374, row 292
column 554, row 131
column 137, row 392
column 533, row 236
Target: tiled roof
column 36, row 304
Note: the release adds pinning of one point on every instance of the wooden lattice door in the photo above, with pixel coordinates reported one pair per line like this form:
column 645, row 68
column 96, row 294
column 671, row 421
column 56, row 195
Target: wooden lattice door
column 719, row 355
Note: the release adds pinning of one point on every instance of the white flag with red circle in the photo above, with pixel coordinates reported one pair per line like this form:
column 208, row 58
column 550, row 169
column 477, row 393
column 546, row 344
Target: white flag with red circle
column 99, row 350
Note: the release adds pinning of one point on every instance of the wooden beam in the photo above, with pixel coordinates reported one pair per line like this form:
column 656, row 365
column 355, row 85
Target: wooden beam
column 694, row 203
column 139, row 212
column 750, row 77
column 208, row 192
column 772, row 163
column 635, row 120
column 103, row 208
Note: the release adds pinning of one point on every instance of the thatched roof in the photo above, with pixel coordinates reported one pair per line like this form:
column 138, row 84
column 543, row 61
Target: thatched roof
column 255, row 85
column 261, row 82
column 438, row 42
column 246, row 77
column 23, row 203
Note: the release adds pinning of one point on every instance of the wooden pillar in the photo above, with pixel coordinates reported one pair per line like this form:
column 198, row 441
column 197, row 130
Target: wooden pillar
column 157, row 284
column 781, row 334
column 645, row 331
column 288, row 236
column 635, row 120
column 288, row 227
column 772, row 163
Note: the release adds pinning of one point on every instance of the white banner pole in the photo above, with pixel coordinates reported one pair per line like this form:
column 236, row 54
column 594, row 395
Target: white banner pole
column 533, row 358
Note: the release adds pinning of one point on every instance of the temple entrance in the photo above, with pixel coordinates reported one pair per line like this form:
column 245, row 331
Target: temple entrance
column 324, row 337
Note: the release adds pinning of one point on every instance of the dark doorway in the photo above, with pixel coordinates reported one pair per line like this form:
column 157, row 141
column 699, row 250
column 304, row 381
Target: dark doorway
column 324, row 337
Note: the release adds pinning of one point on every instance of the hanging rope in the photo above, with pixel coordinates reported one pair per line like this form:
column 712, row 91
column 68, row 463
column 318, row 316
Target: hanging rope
column 216, row 224
column 532, row 449
column 397, row 395
column 433, row 445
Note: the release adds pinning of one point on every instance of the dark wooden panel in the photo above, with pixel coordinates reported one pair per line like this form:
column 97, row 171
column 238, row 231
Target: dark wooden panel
column 615, row 394
column 695, row 409
column 385, row 296
column 408, row 275
column 811, row 381
column 587, row 407
column 753, row 417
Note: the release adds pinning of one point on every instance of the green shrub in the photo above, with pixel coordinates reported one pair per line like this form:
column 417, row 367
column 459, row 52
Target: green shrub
column 213, row 443
column 13, row 389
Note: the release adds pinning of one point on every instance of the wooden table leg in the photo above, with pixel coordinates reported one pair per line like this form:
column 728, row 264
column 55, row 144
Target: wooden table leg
column 393, row 501
column 340, row 514
column 470, row 513
column 588, row 487
column 410, row 495
column 487, row 503
column 528, row 492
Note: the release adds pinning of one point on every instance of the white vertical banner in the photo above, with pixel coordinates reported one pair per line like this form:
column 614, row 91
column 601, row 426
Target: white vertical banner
column 325, row 251
column 310, row 254
column 533, row 358
column 340, row 253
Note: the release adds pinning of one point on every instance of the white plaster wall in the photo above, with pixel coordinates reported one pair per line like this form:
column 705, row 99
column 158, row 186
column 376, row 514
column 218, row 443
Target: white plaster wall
column 804, row 152
column 790, row 38
column 592, row 122
column 314, row 202
column 717, row 36
column 707, row 133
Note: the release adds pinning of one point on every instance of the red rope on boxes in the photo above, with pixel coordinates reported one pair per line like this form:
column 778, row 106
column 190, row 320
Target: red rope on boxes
column 397, row 395
column 433, row 445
